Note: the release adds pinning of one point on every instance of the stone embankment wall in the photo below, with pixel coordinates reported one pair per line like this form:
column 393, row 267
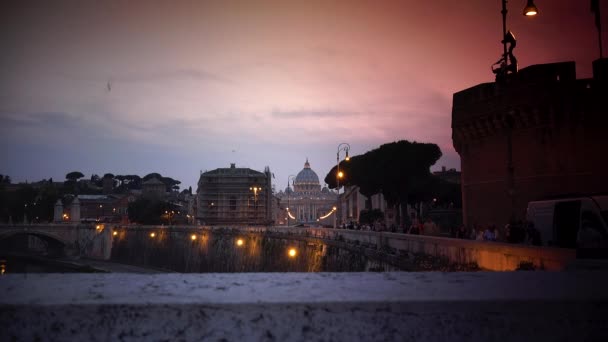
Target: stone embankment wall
column 97, row 242
column 494, row 256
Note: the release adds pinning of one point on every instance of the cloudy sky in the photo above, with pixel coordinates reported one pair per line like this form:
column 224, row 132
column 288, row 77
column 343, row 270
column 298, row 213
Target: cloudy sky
column 197, row 85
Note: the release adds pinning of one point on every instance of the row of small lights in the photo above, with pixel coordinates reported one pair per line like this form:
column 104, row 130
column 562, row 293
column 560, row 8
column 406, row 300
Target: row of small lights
column 320, row 218
column 289, row 213
column 291, row 252
column 329, row 213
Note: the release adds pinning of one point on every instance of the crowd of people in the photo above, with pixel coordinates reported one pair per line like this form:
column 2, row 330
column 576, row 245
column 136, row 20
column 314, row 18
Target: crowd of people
column 376, row 226
column 517, row 232
column 422, row 227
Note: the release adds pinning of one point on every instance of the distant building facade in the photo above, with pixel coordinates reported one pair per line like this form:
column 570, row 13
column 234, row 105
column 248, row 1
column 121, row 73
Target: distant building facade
column 448, row 175
column 153, row 188
column 240, row 196
column 93, row 208
column 542, row 133
column 352, row 202
column 307, row 202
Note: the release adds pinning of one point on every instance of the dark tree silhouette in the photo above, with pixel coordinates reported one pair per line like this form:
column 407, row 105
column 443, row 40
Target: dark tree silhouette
column 170, row 183
column 74, row 175
column 95, row 179
column 45, row 203
column 399, row 170
column 370, row 216
column 128, row 182
column 148, row 211
column 152, row 175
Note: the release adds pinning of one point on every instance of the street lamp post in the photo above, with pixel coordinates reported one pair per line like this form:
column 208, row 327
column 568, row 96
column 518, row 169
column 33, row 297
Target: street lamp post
column 255, row 190
column 341, row 147
column 288, row 178
column 508, row 63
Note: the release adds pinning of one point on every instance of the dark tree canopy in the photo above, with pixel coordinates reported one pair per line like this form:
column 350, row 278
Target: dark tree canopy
column 146, row 211
column 108, row 175
column 399, row 170
column 128, row 182
column 74, row 175
column 371, row 216
column 170, row 183
column 152, row 175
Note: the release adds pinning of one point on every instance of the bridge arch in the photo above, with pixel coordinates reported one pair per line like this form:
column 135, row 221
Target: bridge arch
column 15, row 241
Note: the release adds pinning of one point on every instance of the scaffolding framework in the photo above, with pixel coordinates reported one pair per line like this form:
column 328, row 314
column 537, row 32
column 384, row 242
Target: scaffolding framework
column 235, row 196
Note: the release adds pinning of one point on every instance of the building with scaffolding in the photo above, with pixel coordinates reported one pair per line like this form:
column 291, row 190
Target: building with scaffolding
column 235, row 196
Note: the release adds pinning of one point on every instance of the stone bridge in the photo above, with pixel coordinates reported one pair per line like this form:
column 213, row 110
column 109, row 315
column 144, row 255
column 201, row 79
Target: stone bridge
column 82, row 240
column 494, row 256
column 96, row 241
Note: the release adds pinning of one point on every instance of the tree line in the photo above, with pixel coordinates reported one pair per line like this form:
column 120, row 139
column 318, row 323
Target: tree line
column 35, row 202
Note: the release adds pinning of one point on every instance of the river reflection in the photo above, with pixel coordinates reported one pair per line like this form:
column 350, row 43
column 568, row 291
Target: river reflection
column 225, row 251
column 29, row 264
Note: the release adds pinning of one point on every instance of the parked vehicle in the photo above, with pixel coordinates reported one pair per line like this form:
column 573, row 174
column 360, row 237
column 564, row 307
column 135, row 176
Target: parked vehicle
column 573, row 222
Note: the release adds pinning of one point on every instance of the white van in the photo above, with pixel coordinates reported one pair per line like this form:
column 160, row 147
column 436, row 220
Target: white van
column 574, row 222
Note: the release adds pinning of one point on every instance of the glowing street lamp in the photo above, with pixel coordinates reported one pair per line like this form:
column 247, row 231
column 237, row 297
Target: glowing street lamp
column 508, row 62
column 292, row 252
column 240, row 242
column 193, row 237
column 292, row 177
column 530, row 9
column 339, row 174
column 255, row 190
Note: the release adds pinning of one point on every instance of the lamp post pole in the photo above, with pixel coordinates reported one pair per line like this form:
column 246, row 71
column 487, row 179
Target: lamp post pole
column 287, row 190
column 255, row 190
column 529, row 10
column 341, row 147
column 504, row 30
column 595, row 8
column 508, row 62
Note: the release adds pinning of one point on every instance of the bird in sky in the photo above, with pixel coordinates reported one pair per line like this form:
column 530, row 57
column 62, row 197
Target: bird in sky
column 109, row 87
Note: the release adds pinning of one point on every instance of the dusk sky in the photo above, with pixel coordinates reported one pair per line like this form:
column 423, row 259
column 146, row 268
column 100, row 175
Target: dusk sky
column 199, row 85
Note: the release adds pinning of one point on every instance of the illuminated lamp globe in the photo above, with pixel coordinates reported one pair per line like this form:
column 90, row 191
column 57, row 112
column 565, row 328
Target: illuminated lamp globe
column 530, row 9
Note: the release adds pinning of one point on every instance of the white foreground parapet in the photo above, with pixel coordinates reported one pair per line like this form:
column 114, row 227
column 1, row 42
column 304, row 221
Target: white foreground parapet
column 430, row 306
